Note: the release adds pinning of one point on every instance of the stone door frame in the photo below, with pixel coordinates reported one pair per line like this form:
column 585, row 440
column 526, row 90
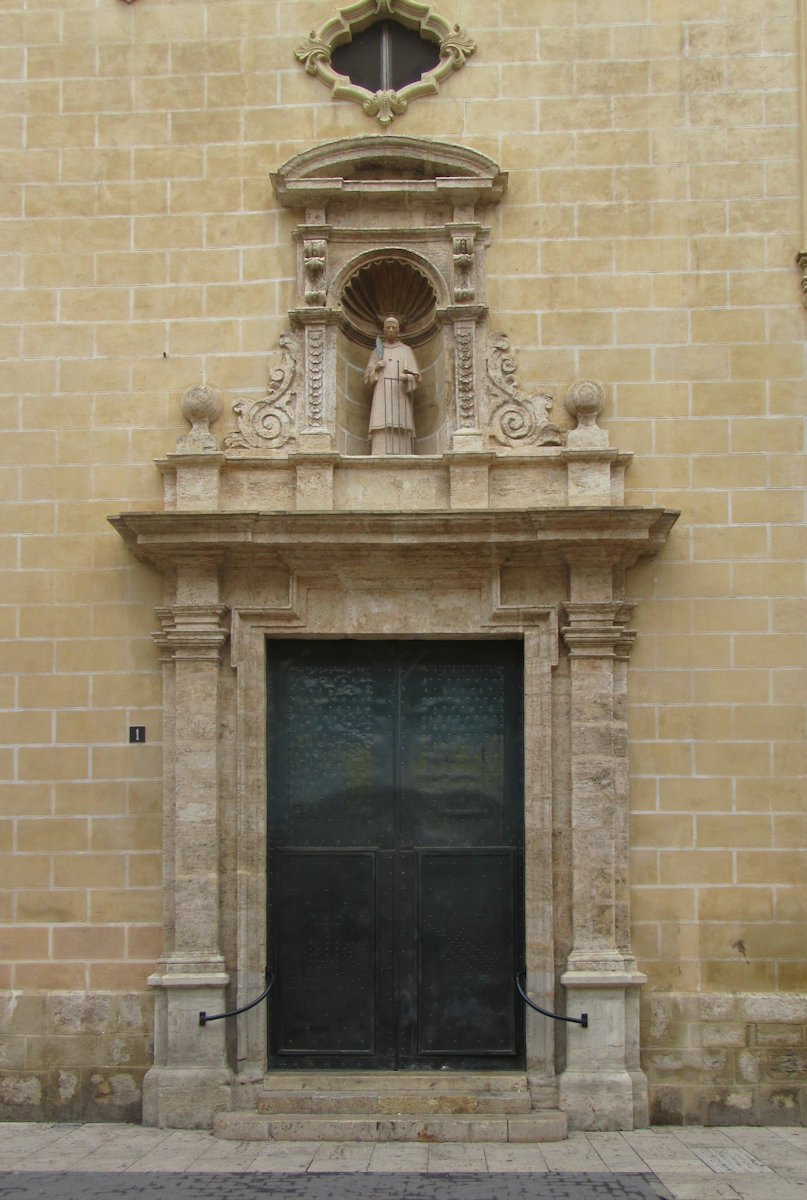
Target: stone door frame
column 554, row 578
column 248, row 657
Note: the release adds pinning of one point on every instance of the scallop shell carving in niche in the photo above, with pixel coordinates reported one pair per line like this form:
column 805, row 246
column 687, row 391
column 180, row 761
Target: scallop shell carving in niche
column 384, row 287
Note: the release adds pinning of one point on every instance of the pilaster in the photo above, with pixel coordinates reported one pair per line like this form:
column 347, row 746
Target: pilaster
column 319, row 325
column 603, row 1086
column 190, row 1078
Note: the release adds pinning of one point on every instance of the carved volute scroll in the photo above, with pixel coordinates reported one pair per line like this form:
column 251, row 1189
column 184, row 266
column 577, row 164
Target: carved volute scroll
column 516, row 419
column 269, row 423
column 455, row 46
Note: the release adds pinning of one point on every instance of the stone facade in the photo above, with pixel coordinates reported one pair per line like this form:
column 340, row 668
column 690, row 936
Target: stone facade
column 647, row 239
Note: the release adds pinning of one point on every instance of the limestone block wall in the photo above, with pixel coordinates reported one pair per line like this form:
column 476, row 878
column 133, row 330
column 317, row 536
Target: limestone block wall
column 647, row 239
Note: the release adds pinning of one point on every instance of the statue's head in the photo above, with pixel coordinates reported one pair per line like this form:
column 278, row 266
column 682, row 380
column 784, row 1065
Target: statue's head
column 392, row 328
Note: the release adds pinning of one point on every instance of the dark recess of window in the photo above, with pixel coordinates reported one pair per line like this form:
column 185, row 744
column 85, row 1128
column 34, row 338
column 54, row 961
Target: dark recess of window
column 385, row 57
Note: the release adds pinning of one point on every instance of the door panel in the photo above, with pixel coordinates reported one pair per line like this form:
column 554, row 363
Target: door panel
column 332, row 729
column 452, row 763
column 327, row 916
column 464, row 904
column 395, row 863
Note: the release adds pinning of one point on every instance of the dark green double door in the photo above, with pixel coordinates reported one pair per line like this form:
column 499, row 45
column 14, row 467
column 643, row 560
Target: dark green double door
column 395, row 860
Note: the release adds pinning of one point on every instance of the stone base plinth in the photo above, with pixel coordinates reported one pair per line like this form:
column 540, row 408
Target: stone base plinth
column 603, row 1086
column 185, row 1097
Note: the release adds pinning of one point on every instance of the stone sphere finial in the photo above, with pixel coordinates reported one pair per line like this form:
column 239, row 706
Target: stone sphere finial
column 584, row 400
column 200, row 405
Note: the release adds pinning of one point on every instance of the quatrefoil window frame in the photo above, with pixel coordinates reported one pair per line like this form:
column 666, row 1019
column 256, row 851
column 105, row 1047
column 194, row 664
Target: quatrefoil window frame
column 454, row 44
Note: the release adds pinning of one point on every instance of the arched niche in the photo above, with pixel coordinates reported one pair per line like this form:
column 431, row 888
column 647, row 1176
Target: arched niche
column 376, row 285
column 381, row 212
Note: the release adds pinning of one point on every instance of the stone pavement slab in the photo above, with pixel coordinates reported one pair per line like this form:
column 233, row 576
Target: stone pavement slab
column 682, row 1163
column 323, row 1186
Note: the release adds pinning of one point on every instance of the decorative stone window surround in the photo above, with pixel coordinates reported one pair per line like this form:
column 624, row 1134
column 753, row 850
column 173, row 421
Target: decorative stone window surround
column 315, row 53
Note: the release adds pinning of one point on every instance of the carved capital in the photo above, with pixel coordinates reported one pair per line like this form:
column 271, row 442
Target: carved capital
column 192, row 632
column 598, row 629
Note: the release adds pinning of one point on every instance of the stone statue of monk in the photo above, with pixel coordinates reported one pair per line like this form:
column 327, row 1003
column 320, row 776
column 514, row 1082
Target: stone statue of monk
column 394, row 374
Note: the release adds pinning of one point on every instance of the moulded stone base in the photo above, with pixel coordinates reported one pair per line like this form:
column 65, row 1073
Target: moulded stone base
column 185, row 1097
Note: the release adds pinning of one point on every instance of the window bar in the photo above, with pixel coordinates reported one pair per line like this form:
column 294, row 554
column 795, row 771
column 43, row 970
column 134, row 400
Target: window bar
column 386, row 58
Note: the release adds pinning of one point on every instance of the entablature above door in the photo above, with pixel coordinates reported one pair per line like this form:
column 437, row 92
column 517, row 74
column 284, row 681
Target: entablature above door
column 609, row 538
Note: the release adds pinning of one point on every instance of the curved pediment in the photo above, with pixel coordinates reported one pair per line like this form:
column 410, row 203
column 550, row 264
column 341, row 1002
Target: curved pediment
column 388, row 168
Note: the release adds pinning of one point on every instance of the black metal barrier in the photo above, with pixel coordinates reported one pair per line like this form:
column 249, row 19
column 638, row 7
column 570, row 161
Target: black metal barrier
column 581, row 1020
column 204, row 1019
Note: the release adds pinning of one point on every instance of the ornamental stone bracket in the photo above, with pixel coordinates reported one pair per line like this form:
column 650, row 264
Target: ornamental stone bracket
column 454, row 44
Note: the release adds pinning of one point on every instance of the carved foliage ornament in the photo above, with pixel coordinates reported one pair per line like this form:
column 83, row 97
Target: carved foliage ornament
column 315, row 262
column 464, row 336
column 454, row 44
column 464, row 281
column 515, row 419
column 268, row 423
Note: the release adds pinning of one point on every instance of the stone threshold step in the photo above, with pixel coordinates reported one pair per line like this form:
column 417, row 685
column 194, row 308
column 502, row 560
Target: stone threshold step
column 395, row 1081
column 398, row 1102
column 545, row 1126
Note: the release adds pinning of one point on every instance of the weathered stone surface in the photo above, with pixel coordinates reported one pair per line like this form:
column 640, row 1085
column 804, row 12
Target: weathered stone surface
column 759, row 1066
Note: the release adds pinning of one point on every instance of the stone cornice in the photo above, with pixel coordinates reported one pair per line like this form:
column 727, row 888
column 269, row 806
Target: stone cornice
column 325, row 173
column 616, row 536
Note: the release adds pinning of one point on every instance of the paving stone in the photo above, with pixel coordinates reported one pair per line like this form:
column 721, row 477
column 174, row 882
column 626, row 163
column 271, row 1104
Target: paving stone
column 396, row 1156
column 683, row 1185
column 252, row 1186
column 730, row 1160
